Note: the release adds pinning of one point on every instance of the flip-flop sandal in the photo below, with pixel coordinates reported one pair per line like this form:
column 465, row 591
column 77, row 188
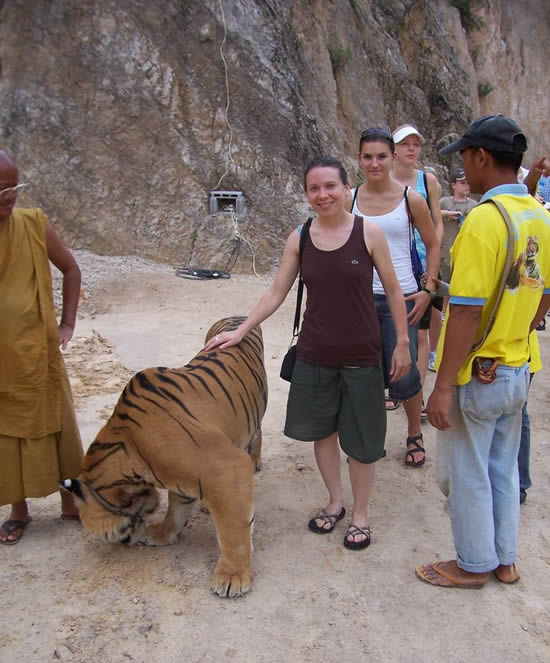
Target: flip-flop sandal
column 514, row 579
column 66, row 516
column 357, row 545
column 10, row 526
column 409, row 457
column 331, row 518
column 394, row 404
column 455, row 582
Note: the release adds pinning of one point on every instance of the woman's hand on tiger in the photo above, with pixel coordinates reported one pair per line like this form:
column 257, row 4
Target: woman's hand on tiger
column 224, row 340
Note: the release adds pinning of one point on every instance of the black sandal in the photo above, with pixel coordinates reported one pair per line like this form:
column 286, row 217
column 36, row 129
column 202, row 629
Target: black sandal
column 357, row 545
column 415, row 447
column 331, row 518
column 394, row 403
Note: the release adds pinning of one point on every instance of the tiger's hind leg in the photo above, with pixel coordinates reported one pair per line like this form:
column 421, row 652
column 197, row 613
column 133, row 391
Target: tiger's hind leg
column 254, row 450
column 180, row 508
column 231, row 505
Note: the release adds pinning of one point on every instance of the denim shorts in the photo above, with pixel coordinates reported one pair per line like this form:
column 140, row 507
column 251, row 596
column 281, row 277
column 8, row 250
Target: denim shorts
column 409, row 385
column 349, row 401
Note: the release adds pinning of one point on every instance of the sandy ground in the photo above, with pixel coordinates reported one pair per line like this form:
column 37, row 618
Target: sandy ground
column 69, row 597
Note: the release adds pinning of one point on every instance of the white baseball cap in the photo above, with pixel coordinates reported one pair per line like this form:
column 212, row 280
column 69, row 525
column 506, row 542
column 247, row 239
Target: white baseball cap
column 406, row 130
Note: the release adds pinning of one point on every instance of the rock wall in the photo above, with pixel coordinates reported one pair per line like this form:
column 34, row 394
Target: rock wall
column 124, row 115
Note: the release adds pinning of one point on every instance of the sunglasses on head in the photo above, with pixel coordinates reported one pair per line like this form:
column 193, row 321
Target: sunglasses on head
column 376, row 132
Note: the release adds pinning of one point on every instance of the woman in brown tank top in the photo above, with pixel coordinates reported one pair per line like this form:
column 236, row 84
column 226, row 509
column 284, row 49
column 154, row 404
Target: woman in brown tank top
column 337, row 391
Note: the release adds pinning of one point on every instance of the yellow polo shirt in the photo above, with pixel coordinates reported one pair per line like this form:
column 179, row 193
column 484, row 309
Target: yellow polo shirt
column 477, row 261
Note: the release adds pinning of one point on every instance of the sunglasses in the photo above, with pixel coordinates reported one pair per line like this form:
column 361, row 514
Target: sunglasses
column 376, row 132
column 12, row 189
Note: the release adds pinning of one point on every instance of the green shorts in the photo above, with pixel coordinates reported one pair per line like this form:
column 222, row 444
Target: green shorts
column 349, row 401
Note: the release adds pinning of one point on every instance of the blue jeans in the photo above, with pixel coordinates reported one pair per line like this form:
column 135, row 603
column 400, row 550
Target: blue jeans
column 409, row 385
column 477, row 468
column 524, row 449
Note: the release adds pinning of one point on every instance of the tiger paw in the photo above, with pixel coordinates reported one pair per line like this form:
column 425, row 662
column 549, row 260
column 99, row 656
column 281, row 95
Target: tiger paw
column 230, row 585
column 156, row 535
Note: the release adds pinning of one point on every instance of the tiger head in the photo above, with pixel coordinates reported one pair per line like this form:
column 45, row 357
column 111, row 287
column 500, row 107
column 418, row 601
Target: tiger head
column 115, row 513
column 532, row 247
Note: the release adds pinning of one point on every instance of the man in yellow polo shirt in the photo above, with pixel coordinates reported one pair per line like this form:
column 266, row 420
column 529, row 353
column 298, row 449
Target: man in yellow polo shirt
column 478, row 395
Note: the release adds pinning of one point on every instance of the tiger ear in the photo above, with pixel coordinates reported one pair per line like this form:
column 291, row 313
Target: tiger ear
column 73, row 486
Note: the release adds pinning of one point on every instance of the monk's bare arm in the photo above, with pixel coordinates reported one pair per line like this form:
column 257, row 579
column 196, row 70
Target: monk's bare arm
column 63, row 259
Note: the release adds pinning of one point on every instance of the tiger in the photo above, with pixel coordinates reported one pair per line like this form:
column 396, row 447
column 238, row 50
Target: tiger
column 194, row 431
column 532, row 268
column 526, row 270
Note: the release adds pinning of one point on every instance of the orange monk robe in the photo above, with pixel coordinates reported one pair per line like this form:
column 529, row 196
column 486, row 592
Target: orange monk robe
column 36, row 413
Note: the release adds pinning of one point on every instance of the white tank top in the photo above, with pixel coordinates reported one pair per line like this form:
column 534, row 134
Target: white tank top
column 395, row 225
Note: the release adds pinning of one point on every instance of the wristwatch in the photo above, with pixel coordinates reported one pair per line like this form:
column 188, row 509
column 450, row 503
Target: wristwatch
column 430, row 292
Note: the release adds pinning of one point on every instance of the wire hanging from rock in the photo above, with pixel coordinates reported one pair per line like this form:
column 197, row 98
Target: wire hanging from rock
column 229, row 158
column 200, row 273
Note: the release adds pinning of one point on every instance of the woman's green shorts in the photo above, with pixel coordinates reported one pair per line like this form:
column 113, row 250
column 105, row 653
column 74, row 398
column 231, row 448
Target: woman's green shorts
column 349, row 401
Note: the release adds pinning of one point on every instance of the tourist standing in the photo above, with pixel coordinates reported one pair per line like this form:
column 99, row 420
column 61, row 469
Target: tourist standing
column 479, row 393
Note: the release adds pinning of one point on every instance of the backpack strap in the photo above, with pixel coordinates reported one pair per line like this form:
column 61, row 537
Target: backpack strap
column 406, row 196
column 409, row 213
column 425, row 178
column 510, row 254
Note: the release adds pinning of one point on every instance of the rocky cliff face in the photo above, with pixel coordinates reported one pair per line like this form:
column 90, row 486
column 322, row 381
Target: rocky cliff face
column 124, row 115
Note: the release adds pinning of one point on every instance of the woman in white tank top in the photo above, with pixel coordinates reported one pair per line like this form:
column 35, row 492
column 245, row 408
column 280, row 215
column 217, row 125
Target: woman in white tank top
column 381, row 200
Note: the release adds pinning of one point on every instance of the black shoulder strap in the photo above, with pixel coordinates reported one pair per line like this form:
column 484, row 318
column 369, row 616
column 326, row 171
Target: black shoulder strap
column 303, row 237
column 406, row 196
column 354, row 198
column 425, row 178
column 409, row 213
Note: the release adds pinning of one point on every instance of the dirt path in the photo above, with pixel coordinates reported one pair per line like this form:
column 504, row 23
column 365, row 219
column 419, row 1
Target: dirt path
column 71, row 598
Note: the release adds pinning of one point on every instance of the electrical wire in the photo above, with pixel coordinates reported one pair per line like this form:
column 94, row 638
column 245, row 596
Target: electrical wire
column 226, row 111
column 197, row 273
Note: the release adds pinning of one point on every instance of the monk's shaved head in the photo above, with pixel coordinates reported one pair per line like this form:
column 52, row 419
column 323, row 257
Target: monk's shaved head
column 8, row 170
column 9, row 178
column 6, row 160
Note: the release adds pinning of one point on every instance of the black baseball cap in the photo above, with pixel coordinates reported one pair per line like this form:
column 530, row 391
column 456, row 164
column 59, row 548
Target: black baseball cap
column 458, row 175
column 495, row 133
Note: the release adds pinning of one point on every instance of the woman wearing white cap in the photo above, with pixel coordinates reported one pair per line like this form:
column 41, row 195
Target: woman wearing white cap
column 408, row 144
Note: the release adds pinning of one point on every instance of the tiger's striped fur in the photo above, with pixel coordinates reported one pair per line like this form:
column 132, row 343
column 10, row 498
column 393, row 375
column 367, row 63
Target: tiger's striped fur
column 194, row 431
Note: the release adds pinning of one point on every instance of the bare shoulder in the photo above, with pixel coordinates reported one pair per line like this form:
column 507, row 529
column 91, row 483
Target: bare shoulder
column 415, row 199
column 293, row 240
column 433, row 183
column 418, row 206
column 58, row 253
